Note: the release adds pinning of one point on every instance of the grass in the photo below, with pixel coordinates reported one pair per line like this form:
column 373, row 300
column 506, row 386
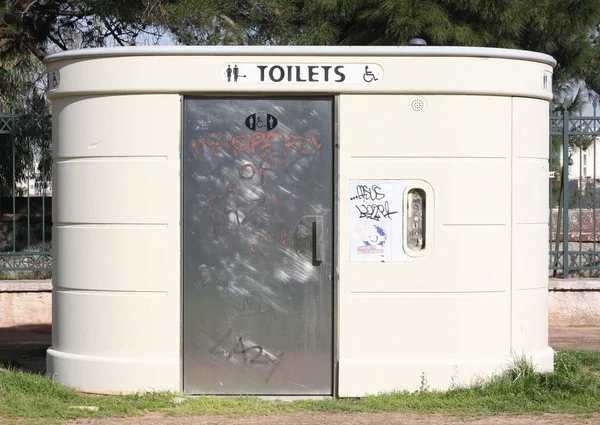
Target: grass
column 573, row 388
column 590, row 360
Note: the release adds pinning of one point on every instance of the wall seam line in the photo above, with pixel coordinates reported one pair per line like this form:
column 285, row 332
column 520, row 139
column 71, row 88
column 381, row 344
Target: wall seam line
column 512, row 196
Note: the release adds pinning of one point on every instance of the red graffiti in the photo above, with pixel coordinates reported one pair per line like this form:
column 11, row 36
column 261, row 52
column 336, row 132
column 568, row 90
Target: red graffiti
column 214, row 143
column 287, row 237
column 300, row 147
column 274, row 157
column 271, row 136
column 237, row 147
column 257, row 139
column 247, row 172
column 273, row 151
column 257, row 142
column 211, row 199
column 195, row 146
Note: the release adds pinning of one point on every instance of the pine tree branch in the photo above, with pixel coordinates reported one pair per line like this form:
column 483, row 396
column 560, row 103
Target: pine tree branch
column 233, row 25
column 57, row 42
column 28, row 7
column 75, row 13
column 112, row 31
column 4, row 48
column 228, row 20
column 33, row 48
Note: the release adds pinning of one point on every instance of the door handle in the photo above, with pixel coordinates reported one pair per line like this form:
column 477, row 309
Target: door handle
column 318, row 239
column 308, row 238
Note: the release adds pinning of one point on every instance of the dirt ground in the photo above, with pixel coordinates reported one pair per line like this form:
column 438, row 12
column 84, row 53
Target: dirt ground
column 574, row 338
column 349, row 419
column 25, row 347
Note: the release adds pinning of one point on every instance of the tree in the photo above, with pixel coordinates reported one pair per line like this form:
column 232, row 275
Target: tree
column 43, row 26
column 566, row 29
column 25, row 143
column 26, row 129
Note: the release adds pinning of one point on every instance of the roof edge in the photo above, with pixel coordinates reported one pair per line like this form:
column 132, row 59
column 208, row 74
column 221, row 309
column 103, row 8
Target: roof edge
column 367, row 51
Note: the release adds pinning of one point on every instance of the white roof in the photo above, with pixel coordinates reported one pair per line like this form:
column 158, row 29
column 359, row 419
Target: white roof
column 416, row 51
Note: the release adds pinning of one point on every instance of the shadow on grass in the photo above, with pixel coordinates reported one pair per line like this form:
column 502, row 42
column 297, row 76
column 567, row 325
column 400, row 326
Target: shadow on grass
column 24, row 347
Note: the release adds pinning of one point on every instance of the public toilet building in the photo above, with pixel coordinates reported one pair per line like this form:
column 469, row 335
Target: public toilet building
column 298, row 221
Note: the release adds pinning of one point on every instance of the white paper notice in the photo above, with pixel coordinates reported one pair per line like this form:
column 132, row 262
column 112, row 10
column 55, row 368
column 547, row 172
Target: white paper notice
column 376, row 220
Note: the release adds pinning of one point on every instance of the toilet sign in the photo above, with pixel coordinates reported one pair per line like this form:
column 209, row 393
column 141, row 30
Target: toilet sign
column 253, row 73
column 53, row 79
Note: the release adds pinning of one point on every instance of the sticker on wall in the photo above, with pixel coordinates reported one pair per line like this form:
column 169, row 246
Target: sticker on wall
column 547, row 81
column 53, row 79
column 301, row 73
column 261, row 122
column 376, row 233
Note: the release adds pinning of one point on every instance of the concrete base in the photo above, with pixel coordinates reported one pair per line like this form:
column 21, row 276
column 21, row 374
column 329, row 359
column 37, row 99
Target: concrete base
column 102, row 375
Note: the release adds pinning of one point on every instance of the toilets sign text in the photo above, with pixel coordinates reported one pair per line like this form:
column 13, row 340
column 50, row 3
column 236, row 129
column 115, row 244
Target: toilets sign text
column 246, row 73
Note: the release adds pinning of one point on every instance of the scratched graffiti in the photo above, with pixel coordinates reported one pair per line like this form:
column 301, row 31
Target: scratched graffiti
column 250, row 178
column 247, row 352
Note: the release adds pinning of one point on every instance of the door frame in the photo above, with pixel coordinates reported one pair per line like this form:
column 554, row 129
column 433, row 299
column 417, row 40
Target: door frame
column 335, row 97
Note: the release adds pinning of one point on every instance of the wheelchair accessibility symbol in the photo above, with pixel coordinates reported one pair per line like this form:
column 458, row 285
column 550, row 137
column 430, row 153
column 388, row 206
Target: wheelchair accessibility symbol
column 368, row 76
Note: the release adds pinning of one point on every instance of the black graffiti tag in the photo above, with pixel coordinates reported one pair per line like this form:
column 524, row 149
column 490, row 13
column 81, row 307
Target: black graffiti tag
column 366, row 193
column 375, row 211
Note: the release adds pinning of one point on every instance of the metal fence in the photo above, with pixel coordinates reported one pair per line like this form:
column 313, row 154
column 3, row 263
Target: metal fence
column 574, row 191
column 25, row 193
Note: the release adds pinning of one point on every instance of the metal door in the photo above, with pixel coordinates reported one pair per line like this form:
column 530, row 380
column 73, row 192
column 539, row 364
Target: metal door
column 257, row 246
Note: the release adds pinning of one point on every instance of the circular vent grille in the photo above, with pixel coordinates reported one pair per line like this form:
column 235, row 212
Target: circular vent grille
column 418, row 104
